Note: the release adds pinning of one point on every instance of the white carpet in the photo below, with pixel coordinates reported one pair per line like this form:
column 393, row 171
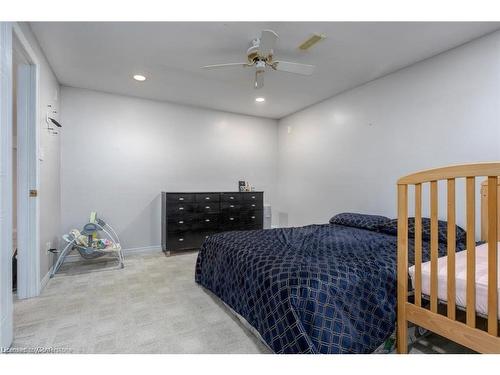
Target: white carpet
column 152, row 305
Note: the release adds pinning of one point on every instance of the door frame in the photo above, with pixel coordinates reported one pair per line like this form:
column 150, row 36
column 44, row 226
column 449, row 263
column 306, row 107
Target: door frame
column 6, row 307
column 28, row 170
column 28, row 176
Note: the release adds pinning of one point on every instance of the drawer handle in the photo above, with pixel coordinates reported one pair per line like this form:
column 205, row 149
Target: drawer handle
column 181, row 199
column 181, row 208
column 207, row 198
column 231, row 197
column 253, row 196
column 231, row 205
column 207, row 220
column 253, row 205
column 207, row 207
column 253, row 217
column 231, row 218
column 181, row 239
column 206, row 237
column 181, row 222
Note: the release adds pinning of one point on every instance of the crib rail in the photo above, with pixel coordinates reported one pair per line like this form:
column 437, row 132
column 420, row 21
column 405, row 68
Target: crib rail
column 465, row 333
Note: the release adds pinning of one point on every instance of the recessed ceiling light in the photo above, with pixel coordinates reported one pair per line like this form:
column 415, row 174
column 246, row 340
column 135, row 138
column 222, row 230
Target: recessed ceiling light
column 260, row 100
column 139, row 77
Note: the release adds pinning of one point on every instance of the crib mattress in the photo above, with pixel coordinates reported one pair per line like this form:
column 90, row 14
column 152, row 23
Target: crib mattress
column 460, row 275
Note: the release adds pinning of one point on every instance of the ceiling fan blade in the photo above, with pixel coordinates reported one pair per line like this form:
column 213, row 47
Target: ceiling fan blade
column 259, row 79
column 268, row 39
column 230, row 65
column 290, row 67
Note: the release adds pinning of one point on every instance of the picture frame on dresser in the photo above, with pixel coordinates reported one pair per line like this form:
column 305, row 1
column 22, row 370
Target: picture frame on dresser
column 188, row 218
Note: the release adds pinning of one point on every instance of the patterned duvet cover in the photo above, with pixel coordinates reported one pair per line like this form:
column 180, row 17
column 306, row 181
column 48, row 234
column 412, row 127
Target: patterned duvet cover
column 314, row 289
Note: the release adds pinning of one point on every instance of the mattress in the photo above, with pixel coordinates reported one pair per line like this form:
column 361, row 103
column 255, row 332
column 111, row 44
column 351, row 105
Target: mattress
column 460, row 275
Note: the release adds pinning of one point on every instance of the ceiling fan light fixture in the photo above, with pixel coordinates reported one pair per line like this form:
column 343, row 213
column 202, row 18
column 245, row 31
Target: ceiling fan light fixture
column 260, row 99
column 139, row 77
column 312, row 41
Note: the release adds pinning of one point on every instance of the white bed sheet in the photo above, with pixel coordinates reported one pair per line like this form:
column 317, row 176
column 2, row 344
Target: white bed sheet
column 460, row 276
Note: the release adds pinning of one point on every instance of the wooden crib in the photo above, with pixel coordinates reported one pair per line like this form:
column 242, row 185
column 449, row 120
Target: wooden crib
column 448, row 324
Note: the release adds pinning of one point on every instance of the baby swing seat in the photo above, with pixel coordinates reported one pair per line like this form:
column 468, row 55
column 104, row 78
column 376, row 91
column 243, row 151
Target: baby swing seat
column 89, row 246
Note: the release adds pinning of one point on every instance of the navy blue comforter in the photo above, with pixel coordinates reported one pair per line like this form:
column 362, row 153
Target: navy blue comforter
column 314, row 289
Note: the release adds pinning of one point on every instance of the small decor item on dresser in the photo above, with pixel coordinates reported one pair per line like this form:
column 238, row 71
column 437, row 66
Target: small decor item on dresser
column 241, row 186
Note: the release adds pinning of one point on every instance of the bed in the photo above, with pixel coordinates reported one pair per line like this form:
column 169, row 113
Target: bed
column 448, row 284
column 316, row 289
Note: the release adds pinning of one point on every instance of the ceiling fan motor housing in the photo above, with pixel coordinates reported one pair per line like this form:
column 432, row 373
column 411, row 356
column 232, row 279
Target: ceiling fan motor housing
column 253, row 51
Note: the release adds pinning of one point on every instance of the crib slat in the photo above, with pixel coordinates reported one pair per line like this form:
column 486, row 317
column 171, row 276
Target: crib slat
column 451, row 246
column 418, row 244
column 402, row 267
column 492, row 256
column 434, row 246
column 471, row 252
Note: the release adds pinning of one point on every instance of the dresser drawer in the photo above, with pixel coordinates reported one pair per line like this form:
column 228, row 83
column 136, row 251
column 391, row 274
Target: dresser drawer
column 176, row 208
column 253, row 197
column 207, row 197
column 252, row 219
column 249, row 212
column 188, row 240
column 230, row 221
column 209, row 207
column 178, row 225
column 183, row 240
column 230, row 197
column 251, row 206
column 206, row 222
column 181, row 197
column 203, row 235
column 230, row 206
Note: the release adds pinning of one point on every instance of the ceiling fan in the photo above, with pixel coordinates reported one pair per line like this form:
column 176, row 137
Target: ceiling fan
column 260, row 55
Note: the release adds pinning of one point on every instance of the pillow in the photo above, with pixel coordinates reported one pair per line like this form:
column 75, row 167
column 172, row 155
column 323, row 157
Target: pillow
column 391, row 227
column 363, row 221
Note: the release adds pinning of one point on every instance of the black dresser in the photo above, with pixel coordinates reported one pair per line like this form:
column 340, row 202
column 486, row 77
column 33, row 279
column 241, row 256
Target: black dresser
column 188, row 218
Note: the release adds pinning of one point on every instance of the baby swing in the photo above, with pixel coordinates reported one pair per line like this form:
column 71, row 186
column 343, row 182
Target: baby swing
column 88, row 245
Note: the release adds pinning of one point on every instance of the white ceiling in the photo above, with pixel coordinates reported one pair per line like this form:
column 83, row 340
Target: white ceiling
column 103, row 56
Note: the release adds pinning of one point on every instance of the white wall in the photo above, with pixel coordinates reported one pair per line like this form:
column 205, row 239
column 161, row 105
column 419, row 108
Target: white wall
column 119, row 153
column 49, row 190
column 346, row 153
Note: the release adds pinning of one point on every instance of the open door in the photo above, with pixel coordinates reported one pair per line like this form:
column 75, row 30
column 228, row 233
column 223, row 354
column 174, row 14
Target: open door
column 26, row 204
